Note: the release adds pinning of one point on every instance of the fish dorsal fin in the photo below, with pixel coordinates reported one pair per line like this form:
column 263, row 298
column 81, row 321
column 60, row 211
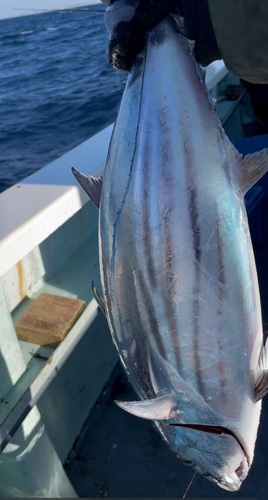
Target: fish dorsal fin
column 179, row 20
column 261, row 379
column 251, row 169
column 190, row 44
column 99, row 299
column 91, row 185
column 202, row 76
column 162, row 408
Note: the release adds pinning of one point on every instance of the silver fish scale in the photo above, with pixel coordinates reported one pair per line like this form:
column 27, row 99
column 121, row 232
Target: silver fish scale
column 177, row 265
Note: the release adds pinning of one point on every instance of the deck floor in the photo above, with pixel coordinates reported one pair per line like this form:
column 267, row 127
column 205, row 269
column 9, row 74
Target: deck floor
column 121, row 456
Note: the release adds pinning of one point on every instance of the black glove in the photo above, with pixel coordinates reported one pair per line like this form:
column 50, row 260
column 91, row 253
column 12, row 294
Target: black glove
column 129, row 20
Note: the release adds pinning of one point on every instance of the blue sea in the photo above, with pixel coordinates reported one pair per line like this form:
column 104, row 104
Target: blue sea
column 56, row 87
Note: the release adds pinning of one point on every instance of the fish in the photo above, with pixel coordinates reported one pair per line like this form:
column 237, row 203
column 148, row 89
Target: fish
column 178, row 275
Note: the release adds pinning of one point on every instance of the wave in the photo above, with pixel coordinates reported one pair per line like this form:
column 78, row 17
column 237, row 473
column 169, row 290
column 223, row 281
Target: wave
column 56, row 90
column 26, row 32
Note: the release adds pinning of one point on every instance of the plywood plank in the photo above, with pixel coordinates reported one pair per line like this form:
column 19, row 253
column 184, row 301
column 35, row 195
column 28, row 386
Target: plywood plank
column 49, row 319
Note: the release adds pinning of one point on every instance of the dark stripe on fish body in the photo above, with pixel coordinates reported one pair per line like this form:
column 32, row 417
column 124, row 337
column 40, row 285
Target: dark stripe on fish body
column 150, row 315
column 148, row 244
column 190, row 172
column 196, row 305
column 170, row 306
column 148, row 250
column 222, row 279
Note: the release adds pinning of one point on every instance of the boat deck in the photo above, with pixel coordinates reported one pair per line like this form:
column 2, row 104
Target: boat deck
column 121, row 456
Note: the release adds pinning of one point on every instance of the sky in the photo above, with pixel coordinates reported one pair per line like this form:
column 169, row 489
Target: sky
column 15, row 8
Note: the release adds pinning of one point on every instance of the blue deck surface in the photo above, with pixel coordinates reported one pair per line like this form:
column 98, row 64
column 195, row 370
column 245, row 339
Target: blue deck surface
column 121, row 456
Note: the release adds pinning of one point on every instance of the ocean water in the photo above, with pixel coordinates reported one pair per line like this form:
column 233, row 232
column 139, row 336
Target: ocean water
column 56, row 87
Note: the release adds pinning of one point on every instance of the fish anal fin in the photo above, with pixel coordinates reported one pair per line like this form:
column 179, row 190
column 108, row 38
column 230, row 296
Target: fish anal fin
column 162, row 408
column 261, row 378
column 99, row 299
column 91, row 185
column 252, row 167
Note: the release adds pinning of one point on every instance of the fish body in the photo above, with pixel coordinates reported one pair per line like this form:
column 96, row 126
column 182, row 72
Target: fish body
column 178, row 275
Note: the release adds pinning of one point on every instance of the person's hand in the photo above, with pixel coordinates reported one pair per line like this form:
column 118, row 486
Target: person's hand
column 222, row 29
column 129, row 20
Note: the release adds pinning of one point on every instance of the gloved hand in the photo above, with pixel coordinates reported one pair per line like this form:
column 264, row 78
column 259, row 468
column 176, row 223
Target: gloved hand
column 129, row 20
column 232, row 30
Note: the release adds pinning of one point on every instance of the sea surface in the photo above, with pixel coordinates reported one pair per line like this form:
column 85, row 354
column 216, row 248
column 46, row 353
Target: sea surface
column 56, row 87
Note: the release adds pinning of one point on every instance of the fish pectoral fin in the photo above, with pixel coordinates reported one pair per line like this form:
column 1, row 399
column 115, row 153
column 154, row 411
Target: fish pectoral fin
column 91, row 185
column 252, row 168
column 99, row 299
column 162, row 408
column 261, row 378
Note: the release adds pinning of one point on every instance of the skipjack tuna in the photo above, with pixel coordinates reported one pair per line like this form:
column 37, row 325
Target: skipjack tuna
column 179, row 282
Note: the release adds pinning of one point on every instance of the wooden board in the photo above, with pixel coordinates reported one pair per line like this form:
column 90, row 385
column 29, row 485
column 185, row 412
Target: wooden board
column 49, row 319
